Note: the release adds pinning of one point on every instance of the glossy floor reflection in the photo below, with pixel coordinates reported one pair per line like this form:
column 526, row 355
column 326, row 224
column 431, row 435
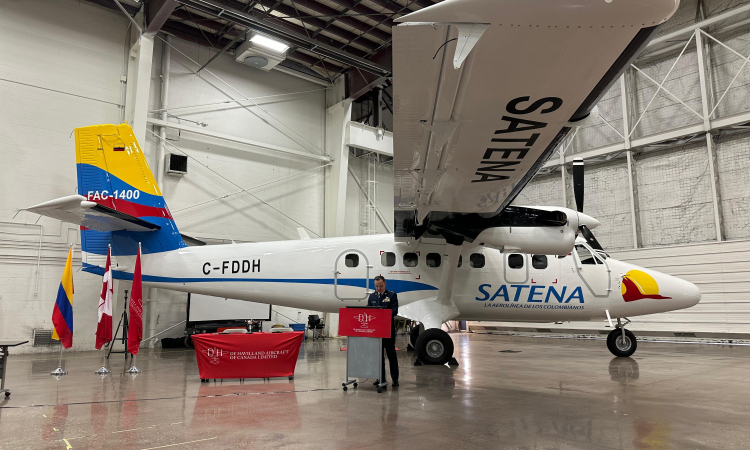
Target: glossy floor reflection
column 544, row 394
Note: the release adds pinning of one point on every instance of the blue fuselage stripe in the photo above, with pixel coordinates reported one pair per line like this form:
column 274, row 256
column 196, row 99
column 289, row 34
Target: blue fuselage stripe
column 394, row 285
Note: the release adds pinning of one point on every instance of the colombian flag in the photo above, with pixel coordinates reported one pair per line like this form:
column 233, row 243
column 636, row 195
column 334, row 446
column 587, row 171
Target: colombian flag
column 62, row 315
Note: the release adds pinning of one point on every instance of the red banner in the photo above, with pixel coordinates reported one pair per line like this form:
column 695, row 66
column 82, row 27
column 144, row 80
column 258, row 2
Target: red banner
column 257, row 355
column 365, row 322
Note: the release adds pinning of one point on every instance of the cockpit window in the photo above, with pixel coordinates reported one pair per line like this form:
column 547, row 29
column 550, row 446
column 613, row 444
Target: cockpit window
column 539, row 261
column 585, row 256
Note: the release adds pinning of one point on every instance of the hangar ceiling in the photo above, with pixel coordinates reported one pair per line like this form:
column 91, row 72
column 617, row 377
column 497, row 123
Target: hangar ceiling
column 328, row 37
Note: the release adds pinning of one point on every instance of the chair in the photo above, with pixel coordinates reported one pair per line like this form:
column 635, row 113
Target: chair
column 314, row 324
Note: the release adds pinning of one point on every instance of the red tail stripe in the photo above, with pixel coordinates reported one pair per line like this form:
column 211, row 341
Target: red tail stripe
column 134, row 209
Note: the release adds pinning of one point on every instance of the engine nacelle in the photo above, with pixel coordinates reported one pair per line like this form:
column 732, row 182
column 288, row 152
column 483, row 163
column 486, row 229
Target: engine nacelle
column 532, row 240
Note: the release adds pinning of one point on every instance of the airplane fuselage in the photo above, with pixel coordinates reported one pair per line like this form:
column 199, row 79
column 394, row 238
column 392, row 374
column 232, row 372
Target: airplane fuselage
column 330, row 273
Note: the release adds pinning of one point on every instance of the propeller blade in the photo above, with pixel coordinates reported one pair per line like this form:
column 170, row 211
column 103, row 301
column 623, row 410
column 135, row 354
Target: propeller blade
column 590, row 239
column 578, row 183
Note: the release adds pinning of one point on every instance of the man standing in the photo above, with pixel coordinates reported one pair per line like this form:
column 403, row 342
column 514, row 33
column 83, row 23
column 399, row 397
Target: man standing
column 387, row 300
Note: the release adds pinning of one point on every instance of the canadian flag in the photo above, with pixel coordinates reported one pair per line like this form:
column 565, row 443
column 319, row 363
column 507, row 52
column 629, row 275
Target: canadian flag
column 104, row 327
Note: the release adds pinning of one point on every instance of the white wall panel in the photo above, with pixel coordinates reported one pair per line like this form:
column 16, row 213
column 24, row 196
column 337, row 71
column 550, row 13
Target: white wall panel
column 733, row 165
column 726, row 65
column 79, row 48
column 665, row 112
column 674, row 193
column 75, row 48
column 541, row 191
column 607, row 198
column 356, row 199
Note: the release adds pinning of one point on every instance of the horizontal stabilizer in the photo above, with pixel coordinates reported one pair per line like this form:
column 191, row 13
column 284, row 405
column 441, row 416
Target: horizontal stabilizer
column 76, row 209
column 189, row 240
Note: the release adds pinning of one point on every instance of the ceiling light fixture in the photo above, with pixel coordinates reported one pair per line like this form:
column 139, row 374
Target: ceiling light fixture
column 269, row 43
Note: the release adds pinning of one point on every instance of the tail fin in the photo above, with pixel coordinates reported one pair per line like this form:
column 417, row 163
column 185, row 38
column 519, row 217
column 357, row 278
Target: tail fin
column 112, row 171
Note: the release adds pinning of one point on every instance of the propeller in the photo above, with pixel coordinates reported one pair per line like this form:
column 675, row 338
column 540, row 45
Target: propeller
column 578, row 190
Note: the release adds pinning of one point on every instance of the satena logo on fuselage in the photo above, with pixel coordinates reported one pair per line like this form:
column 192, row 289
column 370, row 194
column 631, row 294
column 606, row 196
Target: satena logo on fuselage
column 516, row 133
column 535, row 296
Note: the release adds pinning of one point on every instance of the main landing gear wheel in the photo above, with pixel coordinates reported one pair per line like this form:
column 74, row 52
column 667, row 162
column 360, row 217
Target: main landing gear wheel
column 619, row 346
column 413, row 335
column 434, row 347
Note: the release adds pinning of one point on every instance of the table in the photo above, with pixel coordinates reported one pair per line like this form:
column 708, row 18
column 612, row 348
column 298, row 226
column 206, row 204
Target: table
column 4, row 344
column 256, row 355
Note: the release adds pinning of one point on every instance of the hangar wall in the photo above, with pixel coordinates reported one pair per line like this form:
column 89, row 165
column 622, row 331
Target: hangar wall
column 71, row 67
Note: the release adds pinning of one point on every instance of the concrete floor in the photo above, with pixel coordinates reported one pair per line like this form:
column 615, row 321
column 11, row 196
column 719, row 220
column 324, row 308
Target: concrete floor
column 551, row 394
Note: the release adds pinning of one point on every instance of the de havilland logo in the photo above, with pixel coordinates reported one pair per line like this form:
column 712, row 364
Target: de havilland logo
column 364, row 319
column 637, row 285
column 214, row 354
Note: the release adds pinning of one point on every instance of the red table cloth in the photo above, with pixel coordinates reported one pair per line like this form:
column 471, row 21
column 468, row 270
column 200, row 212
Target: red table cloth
column 257, row 355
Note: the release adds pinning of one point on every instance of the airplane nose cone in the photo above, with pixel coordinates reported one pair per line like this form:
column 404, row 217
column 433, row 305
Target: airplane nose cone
column 692, row 294
column 590, row 222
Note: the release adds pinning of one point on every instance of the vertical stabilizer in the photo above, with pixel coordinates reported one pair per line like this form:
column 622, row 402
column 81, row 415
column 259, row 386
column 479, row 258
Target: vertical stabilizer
column 112, row 171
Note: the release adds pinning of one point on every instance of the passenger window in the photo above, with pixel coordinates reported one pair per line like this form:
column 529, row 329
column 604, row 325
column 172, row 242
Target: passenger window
column 411, row 259
column 388, row 259
column 476, row 260
column 585, row 255
column 352, row 260
column 515, row 261
column 460, row 260
column 539, row 261
column 433, row 260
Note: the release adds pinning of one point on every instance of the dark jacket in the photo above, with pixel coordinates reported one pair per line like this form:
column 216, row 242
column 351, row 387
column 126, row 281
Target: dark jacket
column 388, row 299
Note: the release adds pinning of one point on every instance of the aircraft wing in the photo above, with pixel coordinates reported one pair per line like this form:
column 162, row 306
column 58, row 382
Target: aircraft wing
column 484, row 91
column 76, row 209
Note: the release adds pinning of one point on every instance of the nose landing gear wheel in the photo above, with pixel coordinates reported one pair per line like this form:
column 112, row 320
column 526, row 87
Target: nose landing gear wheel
column 434, row 347
column 619, row 346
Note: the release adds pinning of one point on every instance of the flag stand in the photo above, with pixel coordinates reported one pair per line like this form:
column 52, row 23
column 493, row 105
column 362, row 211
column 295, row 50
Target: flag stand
column 133, row 368
column 103, row 369
column 124, row 322
column 59, row 371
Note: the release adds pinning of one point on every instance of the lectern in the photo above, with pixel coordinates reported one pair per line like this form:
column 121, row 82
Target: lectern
column 364, row 327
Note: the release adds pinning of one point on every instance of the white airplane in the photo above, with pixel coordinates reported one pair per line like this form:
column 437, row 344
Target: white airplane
column 484, row 92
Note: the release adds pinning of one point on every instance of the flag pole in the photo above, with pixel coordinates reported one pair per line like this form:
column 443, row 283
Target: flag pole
column 103, row 369
column 133, row 369
column 59, row 371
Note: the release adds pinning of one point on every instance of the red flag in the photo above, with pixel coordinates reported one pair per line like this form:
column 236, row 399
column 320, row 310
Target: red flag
column 104, row 326
column 135, row 322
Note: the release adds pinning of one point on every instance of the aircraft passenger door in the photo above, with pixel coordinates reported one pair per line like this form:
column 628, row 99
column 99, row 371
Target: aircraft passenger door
column 593, row 270
column 516, row 268
column 351, row 276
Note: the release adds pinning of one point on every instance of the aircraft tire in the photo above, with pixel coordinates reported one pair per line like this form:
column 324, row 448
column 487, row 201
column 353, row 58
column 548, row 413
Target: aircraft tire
column 434, row 347
column 619, row 348
column 414, row 334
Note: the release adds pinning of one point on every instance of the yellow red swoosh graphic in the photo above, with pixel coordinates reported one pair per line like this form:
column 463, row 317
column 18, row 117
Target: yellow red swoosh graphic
column 637, row 284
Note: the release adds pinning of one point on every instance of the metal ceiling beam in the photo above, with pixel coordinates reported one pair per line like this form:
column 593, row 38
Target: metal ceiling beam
column 191, row 34
column 213, row 7
column 341, row 33
column 217, row 27
column 158, row 13
column 350, row 21
column 336, row 30
column 358, row 8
